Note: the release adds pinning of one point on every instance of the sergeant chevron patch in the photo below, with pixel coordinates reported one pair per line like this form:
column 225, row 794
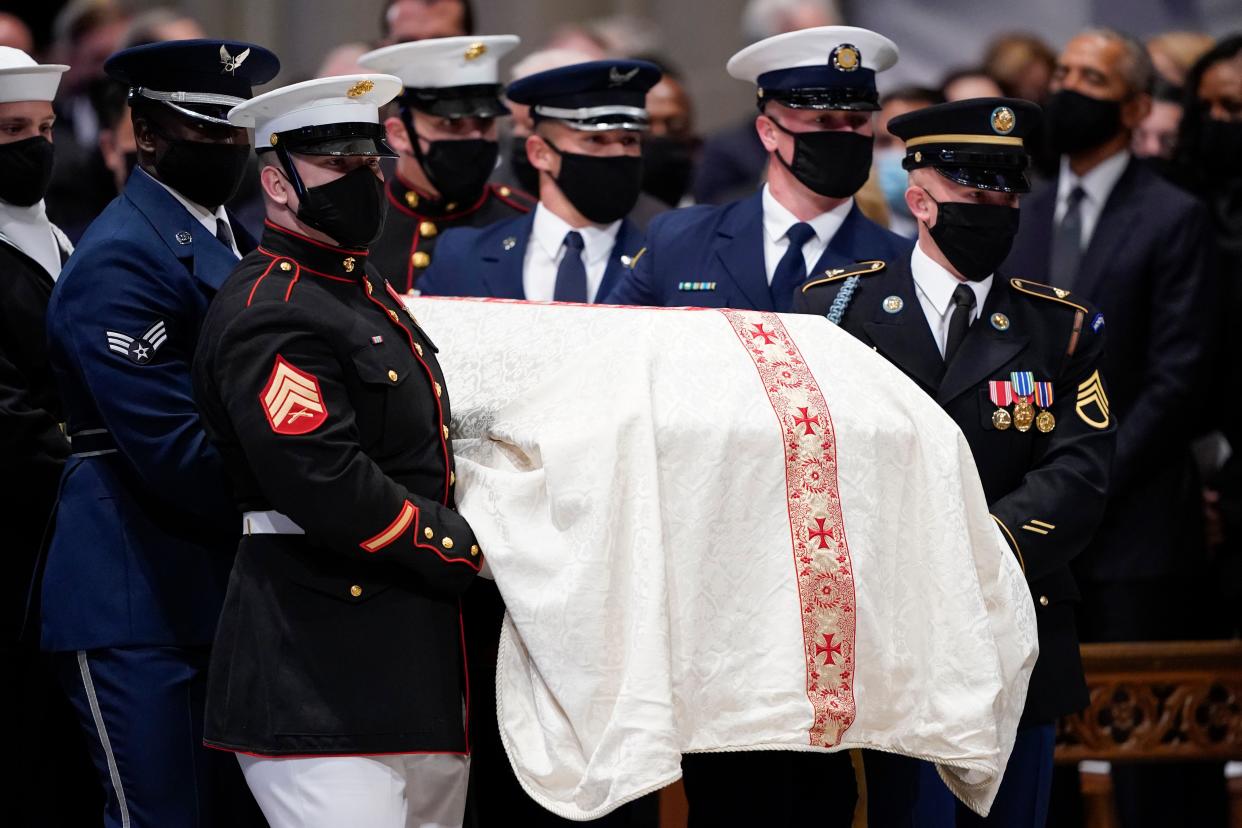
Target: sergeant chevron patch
column 292, row 401
column 1091, row 393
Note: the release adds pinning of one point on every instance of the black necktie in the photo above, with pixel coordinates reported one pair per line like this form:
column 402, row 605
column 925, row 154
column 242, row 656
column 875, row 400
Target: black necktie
column 224, row 233
column 791, row 270
column 571, row 284
column 963, row 304
column 1067, row 242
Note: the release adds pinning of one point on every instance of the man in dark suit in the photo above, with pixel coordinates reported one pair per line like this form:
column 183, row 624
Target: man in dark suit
column 1117, row 234
column 575, row 244
column 145, row 529
column 815, row 121
column 1016, row 364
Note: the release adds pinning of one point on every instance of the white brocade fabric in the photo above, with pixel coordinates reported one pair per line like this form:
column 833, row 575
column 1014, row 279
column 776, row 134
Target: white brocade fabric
column 725, row 530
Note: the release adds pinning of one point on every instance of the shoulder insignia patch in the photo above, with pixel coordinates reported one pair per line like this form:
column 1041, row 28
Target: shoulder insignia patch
column 292, row 400
column 1048, row 292
column 138, row 350
column 867, row 268
column 1092, row 402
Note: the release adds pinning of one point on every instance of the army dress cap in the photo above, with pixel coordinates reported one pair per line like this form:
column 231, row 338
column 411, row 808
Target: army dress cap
column 593, row 96
column 22, row 79
column 201, row 79
column 827, row 67
column 979, row 142
column 336, row 115
column 449, row 77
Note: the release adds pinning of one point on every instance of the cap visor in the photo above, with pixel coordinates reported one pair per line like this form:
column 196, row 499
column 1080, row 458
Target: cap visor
column 988, row 178
column 470, row 107
column 349, row 145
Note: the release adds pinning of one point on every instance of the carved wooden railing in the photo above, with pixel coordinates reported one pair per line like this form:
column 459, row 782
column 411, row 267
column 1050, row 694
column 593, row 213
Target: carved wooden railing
column 1176, row 701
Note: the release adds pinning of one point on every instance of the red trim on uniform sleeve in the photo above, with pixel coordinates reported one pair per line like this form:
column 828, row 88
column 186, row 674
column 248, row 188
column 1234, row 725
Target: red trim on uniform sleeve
column 394, row 530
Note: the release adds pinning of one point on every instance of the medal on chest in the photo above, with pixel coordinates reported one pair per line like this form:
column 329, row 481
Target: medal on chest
column 1023, row 391
column 1044, row 421
column 1001, row 393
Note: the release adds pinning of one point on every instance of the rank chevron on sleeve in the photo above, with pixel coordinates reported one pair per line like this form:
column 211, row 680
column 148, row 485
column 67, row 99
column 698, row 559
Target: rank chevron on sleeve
column 292, row 400
column 1091, row 391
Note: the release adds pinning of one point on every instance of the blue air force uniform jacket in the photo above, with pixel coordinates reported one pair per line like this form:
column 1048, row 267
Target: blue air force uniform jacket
column 145, row 530
column 712, row 257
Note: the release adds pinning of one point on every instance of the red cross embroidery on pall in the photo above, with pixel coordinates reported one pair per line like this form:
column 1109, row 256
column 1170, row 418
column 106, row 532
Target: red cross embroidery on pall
column 292, row 401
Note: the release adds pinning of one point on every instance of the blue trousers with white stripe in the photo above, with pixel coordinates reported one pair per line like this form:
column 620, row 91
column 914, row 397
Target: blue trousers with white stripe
column 142, row 710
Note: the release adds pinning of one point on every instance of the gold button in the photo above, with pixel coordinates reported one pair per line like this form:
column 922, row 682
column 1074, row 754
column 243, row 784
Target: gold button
column 445, row 430
column 355, row 590
column 446, row 542
column 418, row 348
column 428, row 534
column 452, row 478
column 474, row 550
column 505, row 191
column 273, row 139
column 420, row 259
column 392, row 375
column 451, row 206
column 411, row 198
column 285, row 266
column 1043, row 600
column 369, row 288
column 428, row 229
column 438, row 388
column 392, row 315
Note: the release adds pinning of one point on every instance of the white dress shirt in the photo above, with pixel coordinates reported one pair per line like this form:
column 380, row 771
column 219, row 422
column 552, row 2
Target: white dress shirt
column 1098, row 185
column 776, row 223
column 28, row 229
column 934, row 286
column 205, row 217
column 546, row 248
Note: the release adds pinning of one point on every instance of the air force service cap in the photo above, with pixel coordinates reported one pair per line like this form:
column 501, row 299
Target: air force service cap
column 449, row 77
column 594, row 96
column 337, row 115
column 22, row 79
column 978, row 142
column 200, row 79
column 827, row 67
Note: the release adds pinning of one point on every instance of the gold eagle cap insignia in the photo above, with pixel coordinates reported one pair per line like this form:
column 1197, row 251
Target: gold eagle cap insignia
column 360, row 88
column 1003, row 120
column 475, row 51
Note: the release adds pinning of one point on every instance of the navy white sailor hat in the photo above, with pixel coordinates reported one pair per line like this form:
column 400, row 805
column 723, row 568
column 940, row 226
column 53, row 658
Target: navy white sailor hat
column 200, row 79
column 593, row 96
column 827, row 67
column 22, row 79
column 337, row 115
column 450, row 77
column 979, row 142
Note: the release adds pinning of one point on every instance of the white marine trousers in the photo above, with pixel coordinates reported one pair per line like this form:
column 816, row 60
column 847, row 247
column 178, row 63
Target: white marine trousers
column 402, row 791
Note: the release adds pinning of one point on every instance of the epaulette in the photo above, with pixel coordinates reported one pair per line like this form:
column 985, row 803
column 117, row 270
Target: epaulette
column 1052, row 294
column 515, row 198
column 631, row 261
column 836, row 274
column 276, row 280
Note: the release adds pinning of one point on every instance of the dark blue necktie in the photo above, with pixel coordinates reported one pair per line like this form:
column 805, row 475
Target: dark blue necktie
column 791, row 271
column 224, row 233
column 571, row 283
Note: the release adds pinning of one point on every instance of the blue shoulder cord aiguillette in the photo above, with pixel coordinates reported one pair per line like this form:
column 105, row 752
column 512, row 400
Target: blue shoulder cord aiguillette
column 837, row 311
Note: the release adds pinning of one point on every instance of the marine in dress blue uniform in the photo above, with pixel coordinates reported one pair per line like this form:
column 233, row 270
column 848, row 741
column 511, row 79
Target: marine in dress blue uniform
column 145, row 531
column 816, row 92
column 1017, row 365
column 445, row 135
column 337, row 671
column 575, row 245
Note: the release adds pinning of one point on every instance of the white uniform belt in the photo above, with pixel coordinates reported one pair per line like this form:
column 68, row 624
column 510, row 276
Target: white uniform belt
column 269, row 523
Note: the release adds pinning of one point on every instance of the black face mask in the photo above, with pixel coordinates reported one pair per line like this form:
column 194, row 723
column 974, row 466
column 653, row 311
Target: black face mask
column 459, row 169
column 206, row 174
column 1077, row 122
column 602, row 188
column 525, row 173
column 1220, row 147
column 349, row 210
column 668, row 164
column 975, row 238
column 832, row 163
column 25, row 170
